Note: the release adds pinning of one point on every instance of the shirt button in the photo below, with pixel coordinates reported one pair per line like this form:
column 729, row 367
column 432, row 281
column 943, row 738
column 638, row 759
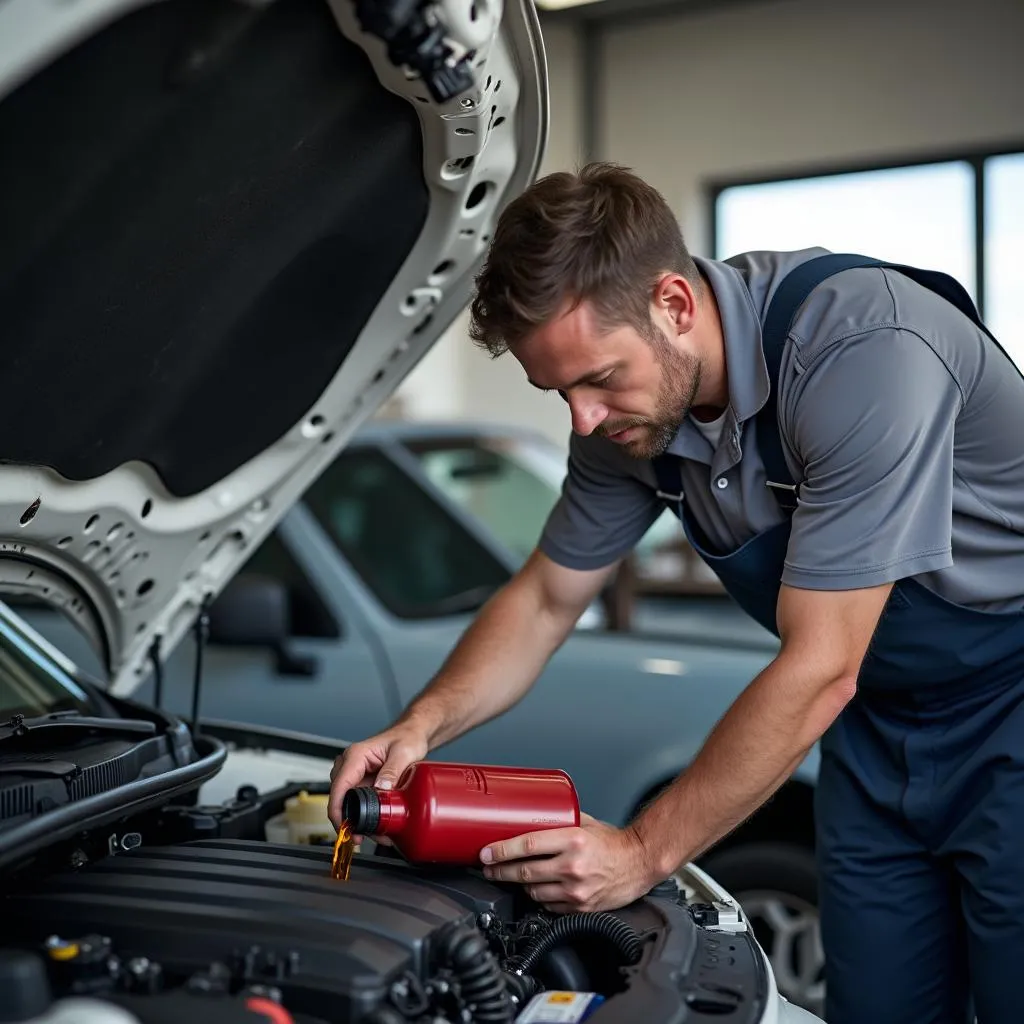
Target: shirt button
column 722, row 483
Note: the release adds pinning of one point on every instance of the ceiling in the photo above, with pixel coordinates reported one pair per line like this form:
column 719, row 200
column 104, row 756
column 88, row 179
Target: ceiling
column 621, row 11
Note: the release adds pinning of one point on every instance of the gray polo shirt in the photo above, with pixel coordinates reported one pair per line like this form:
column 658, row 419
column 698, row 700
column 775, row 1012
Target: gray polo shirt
column 902, row 421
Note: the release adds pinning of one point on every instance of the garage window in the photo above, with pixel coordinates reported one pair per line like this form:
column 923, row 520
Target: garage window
column 1004, row 244
column 963, row 216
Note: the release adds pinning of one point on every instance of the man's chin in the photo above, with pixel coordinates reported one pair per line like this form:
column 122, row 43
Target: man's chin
column 642, row 440
column 649, row 445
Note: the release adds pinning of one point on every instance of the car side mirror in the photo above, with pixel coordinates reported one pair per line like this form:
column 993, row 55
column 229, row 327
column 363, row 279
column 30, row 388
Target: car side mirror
column 255, row 611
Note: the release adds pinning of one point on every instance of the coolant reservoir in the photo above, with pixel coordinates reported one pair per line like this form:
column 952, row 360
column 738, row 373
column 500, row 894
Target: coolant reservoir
column 82, row 1010
column 446, row 813
column 26, row 996
column 304, row 821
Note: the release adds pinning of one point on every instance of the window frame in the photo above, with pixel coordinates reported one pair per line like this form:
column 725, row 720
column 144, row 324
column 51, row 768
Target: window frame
column 975, row 158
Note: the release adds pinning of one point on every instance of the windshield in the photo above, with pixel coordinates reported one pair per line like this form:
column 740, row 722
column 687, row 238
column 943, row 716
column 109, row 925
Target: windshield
column 34, row 679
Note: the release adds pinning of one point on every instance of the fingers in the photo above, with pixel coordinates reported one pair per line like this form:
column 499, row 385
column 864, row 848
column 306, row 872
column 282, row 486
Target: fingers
column 541, row 869
column 398, row 760
column 350, row 769
column 565, row 867
column 549, row 842
column 539, row 857
column 378, row 761
column 549, row 894
column 402, row 750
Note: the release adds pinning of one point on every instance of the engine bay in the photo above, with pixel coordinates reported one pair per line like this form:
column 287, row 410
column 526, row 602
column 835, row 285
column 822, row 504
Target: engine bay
column 188, row 912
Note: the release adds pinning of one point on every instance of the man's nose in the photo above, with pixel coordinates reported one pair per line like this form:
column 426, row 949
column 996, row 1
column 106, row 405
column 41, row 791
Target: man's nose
column 587, row 416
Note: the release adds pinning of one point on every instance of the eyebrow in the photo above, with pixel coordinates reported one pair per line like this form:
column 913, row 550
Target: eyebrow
column 586, row 378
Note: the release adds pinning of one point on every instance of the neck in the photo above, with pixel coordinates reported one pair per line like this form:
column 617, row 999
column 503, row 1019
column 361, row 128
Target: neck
column 713, row 393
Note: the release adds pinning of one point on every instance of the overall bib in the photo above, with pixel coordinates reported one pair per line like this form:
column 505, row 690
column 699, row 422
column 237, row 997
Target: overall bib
column 919, row 806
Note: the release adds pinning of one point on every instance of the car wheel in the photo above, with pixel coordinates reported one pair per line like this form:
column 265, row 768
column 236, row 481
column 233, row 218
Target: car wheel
column 776, row 884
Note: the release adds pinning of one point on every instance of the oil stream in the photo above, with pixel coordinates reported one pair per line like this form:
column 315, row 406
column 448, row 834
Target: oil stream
column 344, row 847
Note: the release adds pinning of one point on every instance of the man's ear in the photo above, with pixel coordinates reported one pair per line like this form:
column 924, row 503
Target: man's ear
column 675, row 301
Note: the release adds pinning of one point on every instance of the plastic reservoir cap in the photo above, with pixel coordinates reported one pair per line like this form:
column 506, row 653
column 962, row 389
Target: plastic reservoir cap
column 304, row 821
column 310, row 809
column 62, row 951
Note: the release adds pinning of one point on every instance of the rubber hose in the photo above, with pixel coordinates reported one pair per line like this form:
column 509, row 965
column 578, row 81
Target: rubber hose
column 481, row 982
column 573, row 926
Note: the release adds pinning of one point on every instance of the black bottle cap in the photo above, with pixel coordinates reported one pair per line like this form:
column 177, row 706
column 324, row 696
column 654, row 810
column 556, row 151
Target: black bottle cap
column 25, row 985
column 361, row 809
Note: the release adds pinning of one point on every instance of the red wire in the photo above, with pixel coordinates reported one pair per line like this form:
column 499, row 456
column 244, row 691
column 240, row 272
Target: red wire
column 274, row 1012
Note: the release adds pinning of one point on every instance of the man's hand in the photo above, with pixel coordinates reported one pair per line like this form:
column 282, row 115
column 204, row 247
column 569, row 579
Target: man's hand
column 568, row 870
column 378, row 761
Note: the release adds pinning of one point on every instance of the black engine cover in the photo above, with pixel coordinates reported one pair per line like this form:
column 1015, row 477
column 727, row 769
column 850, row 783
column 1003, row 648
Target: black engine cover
column 195, row 930
column 272, row 914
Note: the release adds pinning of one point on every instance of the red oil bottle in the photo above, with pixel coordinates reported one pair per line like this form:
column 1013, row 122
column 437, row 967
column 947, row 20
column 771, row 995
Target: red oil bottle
column 445, row 813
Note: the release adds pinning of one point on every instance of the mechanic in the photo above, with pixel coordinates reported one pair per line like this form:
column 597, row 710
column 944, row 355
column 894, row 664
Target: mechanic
column 842, row 441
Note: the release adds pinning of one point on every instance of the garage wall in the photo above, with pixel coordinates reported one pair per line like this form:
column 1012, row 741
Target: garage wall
column 765, row 88
column 757, row 88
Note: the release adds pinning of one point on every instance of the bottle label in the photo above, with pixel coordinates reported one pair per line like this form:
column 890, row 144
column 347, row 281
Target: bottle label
column 560, row 1008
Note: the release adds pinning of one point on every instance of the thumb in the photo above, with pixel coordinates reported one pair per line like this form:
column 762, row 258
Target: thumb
column 387, row 777
column 391, row 771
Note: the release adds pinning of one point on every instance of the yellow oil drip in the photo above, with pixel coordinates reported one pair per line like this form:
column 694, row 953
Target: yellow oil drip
column 344, row 847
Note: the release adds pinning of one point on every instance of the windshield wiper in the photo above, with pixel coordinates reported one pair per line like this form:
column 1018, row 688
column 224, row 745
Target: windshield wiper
column 20, row 726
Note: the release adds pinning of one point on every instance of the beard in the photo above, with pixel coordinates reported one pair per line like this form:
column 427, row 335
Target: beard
column 680, row 380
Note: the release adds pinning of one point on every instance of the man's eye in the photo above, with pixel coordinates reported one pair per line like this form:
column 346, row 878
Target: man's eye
column 603, row 382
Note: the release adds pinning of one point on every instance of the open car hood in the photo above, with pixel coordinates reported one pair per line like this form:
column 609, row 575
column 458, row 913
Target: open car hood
column 229, row 230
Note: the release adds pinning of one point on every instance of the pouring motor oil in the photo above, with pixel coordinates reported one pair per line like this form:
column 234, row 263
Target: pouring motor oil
column 446, row 813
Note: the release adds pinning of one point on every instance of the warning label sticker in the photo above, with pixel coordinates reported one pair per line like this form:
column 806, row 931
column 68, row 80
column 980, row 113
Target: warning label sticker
column 560, row 1008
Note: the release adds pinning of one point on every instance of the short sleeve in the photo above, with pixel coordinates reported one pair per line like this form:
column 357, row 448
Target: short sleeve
column 604, row 508
column 872, row 423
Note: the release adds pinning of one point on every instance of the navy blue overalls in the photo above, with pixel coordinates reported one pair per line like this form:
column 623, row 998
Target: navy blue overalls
column 919, row 804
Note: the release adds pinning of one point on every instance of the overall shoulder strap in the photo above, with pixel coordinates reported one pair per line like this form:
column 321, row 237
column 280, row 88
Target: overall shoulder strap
column 789, row 296
column 670, row 481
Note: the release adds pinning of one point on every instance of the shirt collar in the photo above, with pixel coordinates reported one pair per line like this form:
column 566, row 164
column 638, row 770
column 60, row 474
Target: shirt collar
column 744, row 356
column 741, row 327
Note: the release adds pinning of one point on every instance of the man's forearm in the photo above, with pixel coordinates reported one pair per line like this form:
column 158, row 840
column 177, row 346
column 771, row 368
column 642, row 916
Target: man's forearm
column 493, row 666
column 754, row 748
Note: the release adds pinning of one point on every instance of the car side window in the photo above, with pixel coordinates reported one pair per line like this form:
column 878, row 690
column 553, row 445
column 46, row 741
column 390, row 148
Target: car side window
column 510, row 500
column 413, row 555
column 310, row 616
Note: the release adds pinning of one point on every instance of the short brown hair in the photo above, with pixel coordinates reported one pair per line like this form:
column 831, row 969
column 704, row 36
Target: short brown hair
column 601, row 234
